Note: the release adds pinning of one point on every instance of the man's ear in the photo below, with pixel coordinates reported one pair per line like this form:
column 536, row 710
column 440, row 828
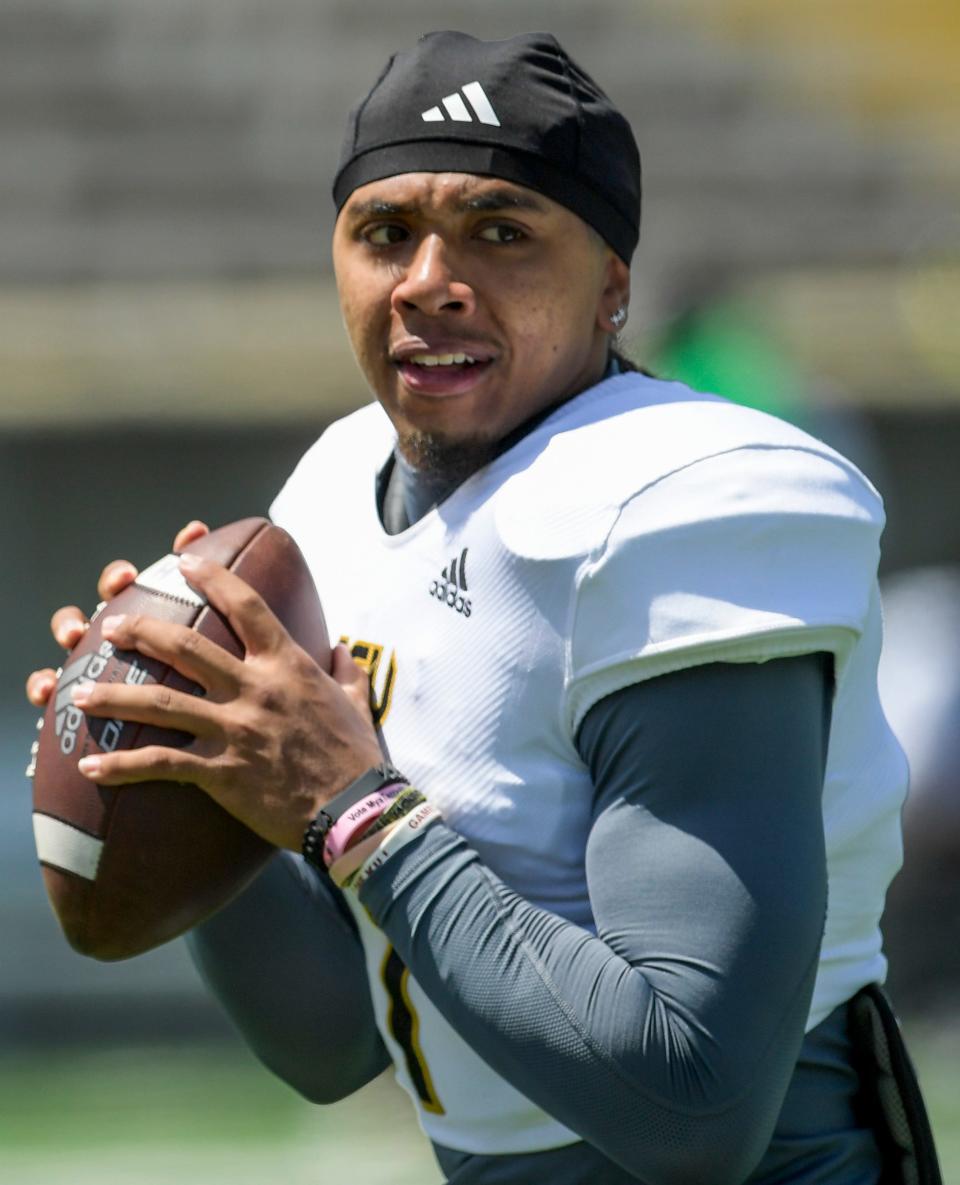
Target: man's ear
column 615, row 297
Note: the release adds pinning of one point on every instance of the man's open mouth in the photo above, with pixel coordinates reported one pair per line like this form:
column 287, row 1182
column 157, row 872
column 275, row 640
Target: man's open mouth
column 443, row 360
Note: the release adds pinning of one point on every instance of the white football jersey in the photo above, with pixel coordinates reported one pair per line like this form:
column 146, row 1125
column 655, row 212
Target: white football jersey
column 642, row 528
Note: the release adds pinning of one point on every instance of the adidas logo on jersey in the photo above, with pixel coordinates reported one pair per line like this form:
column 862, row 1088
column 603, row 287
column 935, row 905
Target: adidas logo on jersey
column 451, row 586
column 457, row 109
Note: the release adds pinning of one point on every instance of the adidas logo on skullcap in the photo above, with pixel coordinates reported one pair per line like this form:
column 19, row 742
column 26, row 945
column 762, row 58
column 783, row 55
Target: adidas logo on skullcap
column 519, row 109
column 457, row 110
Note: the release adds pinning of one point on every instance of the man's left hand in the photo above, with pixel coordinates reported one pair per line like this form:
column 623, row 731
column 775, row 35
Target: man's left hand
column 275, row 737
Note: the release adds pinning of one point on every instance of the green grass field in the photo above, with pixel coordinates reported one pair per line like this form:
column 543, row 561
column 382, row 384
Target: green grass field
column 212, row 1116
column 195, row 1117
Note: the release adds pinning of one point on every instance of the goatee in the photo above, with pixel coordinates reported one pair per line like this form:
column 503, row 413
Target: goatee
column 448, row 461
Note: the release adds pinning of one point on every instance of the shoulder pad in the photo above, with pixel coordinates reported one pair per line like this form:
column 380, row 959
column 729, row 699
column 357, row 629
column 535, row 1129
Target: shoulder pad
column 608, row 445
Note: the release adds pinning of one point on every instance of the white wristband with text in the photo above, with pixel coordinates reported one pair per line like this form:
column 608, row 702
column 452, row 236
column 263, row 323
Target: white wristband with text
column 402, row 833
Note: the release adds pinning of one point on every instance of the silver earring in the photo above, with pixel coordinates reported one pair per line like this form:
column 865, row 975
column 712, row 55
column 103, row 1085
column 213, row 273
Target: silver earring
column 617, row 319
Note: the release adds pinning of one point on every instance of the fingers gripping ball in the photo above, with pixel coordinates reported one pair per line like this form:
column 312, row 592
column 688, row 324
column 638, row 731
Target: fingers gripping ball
column 128, row 869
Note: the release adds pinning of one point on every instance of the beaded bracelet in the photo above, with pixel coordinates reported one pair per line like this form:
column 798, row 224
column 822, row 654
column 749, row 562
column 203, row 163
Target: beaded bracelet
column 370, row 782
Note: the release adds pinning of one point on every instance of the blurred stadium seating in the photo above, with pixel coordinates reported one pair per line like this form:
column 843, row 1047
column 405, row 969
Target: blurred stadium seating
column 165, row 170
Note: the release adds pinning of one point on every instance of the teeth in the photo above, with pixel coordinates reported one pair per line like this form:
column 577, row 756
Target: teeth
column 442, row 359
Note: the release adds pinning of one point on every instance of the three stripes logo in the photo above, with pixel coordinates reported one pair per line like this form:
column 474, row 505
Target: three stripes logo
column 457, row 110
column 68, row 717
column 452, row 585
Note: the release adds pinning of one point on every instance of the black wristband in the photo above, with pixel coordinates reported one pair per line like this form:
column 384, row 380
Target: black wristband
column 368, row 783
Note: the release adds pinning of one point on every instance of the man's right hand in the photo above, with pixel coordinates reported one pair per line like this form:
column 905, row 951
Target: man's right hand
column 69, row 623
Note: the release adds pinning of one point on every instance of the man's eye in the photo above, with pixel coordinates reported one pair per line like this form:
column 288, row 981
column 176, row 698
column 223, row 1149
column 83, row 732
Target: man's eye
column 386, row 235
column 502, row 232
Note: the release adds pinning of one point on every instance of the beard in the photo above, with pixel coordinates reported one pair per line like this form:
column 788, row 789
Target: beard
column 446, row 461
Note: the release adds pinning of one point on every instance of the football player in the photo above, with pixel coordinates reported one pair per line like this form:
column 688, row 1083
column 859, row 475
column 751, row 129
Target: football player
column 591, row 839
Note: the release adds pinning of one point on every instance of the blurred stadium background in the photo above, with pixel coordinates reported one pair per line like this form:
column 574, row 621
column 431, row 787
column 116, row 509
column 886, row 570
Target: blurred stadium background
column 168, row 318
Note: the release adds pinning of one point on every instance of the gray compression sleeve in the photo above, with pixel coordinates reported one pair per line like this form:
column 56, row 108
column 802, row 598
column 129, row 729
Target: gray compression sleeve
column 822, row 1136
column 668, row 1040
column 285, row 962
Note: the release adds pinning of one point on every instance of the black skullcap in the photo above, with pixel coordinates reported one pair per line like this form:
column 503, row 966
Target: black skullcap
column 518, row 109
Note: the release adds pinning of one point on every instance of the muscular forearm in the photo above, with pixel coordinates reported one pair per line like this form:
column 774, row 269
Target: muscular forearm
column 286, row 965
column 668, row 1039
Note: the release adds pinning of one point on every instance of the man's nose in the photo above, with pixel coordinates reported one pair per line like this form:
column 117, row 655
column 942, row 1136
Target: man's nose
column 430, row 284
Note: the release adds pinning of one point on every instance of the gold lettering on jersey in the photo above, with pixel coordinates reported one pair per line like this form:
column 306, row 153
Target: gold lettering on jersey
column 404, row 1025
column 383, row 675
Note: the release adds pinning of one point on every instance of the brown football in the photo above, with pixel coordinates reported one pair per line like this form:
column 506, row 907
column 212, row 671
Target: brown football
column 128, row 869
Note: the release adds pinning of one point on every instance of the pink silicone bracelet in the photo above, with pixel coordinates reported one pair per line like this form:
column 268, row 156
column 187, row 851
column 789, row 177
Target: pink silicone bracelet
column 343, row 868
column 356, row 820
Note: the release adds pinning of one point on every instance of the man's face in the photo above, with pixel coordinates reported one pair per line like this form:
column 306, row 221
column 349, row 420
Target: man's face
column 472, row 303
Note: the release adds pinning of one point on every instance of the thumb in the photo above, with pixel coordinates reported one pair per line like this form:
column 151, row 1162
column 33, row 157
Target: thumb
column 353, row 680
